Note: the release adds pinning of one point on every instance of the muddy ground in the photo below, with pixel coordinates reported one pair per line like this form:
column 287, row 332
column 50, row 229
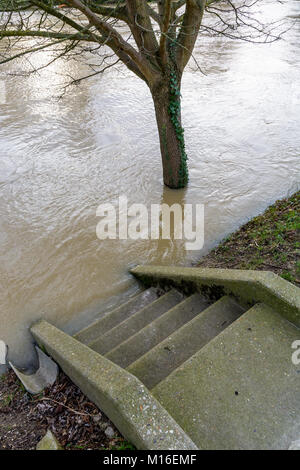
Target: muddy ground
column 74, row 420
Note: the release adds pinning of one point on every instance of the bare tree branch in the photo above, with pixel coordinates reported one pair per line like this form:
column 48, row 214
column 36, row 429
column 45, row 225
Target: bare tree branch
column 189, row 31
column 141, row 27
column 164, row 32
column 114, row 39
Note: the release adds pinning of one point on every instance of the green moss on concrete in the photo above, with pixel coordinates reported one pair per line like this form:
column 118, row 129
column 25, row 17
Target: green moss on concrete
column 116, row 316
column 241, row 391
column 49, row 442
column 136, row 322
column 248, row 287
column 150, row 336
column 160, row 361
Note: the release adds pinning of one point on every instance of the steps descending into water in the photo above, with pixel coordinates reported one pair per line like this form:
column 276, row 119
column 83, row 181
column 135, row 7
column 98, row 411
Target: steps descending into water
column 220, row 374
column 109, row 321
column 152, row 334
column 160, row 361
column 136, row 322
column 242, row 390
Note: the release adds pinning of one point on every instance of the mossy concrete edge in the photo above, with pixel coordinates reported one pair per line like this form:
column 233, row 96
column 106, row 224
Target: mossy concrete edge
column 120, row 395
column 45, row 376
column 249, row 287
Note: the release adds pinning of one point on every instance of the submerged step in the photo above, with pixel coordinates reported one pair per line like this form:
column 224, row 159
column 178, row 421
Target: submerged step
column 152, row 334
column 136, row 322
column 158, row 363
column 242, row 390
column 109, row 321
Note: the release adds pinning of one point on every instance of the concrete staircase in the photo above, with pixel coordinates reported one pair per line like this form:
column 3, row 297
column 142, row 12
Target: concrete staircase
column 219, row 365
column 166, row 331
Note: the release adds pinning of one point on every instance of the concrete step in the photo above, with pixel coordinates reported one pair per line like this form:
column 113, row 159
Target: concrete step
column 121, row 396
column 109, row 321
column 160, row 361
column 152, row 334
column 136, row 322
column 242, row 390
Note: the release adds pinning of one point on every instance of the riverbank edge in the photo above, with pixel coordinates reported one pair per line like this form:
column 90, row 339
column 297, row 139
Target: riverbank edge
column 268, row 242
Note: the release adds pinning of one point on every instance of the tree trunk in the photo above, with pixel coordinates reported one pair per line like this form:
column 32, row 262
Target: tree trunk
column 167, row 103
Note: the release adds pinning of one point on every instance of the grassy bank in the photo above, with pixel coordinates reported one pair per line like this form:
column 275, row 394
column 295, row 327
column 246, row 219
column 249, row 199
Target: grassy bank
column 269, row 242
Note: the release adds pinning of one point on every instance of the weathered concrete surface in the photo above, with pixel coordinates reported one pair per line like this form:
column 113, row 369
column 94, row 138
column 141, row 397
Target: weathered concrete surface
column 3, row 357
column 158, row 363
column 49, row 442
column 3, row 353
column 137, row 345
column 136, row 322
column 109, row 321
column 248, row 286
column 295, row 445
column 120, row 395
column 241, row 391
column 45, row 376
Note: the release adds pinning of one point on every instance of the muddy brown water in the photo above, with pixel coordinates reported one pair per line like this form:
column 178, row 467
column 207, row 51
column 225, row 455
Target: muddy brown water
column 60, row 159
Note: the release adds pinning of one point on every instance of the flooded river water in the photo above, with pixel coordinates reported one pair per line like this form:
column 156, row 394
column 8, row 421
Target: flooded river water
column 59, row 159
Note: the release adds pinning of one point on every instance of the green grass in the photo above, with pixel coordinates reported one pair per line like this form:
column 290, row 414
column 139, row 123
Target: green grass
column 270, row 241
